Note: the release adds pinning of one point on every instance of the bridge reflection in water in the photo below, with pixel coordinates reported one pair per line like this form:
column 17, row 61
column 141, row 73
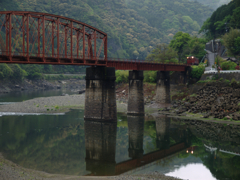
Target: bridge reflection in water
column 100, row 143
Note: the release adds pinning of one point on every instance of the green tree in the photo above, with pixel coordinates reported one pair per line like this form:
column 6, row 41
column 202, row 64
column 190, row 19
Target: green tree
column 162, row 53
column 5, row 71
column 232, row 42
column 18, row 72
column 179, row 42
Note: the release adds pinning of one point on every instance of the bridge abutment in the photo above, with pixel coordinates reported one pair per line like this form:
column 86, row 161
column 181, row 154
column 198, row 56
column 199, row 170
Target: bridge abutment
column 135, row 131
column 163, row 87
column 135, row 94
column 100, row 96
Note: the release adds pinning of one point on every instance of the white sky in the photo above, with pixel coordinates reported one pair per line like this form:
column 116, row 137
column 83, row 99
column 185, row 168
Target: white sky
column 192, row 172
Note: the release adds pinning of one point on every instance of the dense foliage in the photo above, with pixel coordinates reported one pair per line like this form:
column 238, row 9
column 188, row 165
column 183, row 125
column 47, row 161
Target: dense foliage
column 228, row 65
column 122, row 76
column 222, row 20
column 181, row 46
column 163, row 53
column 197, row 71
column 231, row 41
column 213, row 3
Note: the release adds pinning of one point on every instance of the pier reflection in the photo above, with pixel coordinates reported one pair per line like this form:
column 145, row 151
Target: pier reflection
column 163, row 132
column 100, row 143
column 135, row 136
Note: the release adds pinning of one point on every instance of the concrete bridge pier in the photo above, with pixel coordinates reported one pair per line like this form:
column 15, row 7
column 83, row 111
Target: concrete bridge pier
column 185, row 75
column 163, row 87
column 100, row 96
column 135, row 131
column 135, row 94
column 163, row 132
column 100, row 144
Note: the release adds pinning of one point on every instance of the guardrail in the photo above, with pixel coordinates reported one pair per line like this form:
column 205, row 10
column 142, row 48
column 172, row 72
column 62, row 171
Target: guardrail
column 222, row 71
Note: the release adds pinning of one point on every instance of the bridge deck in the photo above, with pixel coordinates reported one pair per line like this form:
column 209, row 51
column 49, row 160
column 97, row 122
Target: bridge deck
column 120, row 64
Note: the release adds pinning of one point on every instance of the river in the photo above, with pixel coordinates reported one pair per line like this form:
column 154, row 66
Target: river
column 66, row 144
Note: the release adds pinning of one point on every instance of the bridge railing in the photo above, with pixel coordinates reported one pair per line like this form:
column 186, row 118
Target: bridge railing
column 143, row 61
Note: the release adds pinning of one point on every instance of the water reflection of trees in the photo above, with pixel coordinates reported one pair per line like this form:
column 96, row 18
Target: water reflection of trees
column 209, row 141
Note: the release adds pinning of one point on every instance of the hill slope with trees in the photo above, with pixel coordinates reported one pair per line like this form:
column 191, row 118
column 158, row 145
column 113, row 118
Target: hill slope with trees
column 134, row 27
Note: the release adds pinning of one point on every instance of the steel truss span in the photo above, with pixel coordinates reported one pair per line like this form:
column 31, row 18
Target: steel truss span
column 31, row 37
column 41, row 38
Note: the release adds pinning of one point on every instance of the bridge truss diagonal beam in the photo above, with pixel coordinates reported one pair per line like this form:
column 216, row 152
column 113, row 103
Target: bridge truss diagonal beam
column 31, row 37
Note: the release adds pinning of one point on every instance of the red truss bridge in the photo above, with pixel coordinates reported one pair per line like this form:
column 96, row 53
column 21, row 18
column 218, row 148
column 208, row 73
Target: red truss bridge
column 41, row 38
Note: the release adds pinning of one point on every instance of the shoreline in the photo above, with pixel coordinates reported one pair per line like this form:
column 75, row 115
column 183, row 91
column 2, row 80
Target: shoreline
column 11, row 170
column 62, row 104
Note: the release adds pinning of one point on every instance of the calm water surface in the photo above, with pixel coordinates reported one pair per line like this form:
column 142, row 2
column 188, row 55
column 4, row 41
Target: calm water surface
column 66, row 144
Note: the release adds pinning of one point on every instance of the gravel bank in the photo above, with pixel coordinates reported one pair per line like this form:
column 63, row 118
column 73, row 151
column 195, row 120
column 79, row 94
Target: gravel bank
column 54, row 104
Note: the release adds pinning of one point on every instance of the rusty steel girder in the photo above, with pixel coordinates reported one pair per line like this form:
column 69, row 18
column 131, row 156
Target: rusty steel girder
column 41, row 38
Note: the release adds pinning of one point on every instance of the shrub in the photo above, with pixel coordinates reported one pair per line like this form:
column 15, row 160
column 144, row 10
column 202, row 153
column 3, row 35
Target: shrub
column 233, row 81
column 197, row 71
column 150, row 76
column 121, row 76
column 18, row 72
column 228, row 65
column 6, row 71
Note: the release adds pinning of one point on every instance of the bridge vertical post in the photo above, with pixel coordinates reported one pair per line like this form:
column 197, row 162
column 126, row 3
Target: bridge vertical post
column 72, row 42
column 10, row 37
column 135, row 94
column 23, row 30
column 95, row 45
column 28, row 37
column 65, row 41
column 100, row 96
column 39, row 50
column 53, row 28
column 100, row 144
column 7, row 33
column 83, row 51
column 105, row 48
column 77, row 44
column 43, row 37
column 163, row 87
column 135, row 131
column 58, row 41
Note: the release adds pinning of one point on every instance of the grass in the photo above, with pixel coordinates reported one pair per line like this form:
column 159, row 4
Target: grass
column 37, row 105
column 193, row 95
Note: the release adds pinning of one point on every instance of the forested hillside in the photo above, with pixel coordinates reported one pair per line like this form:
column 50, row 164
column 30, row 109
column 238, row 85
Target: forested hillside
column 224, row 18
column 213, row 3
column 134, row 27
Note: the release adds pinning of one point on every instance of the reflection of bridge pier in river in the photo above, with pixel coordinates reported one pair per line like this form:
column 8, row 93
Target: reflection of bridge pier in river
column 135, row 133
column 163, row 132
column 100, row 143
